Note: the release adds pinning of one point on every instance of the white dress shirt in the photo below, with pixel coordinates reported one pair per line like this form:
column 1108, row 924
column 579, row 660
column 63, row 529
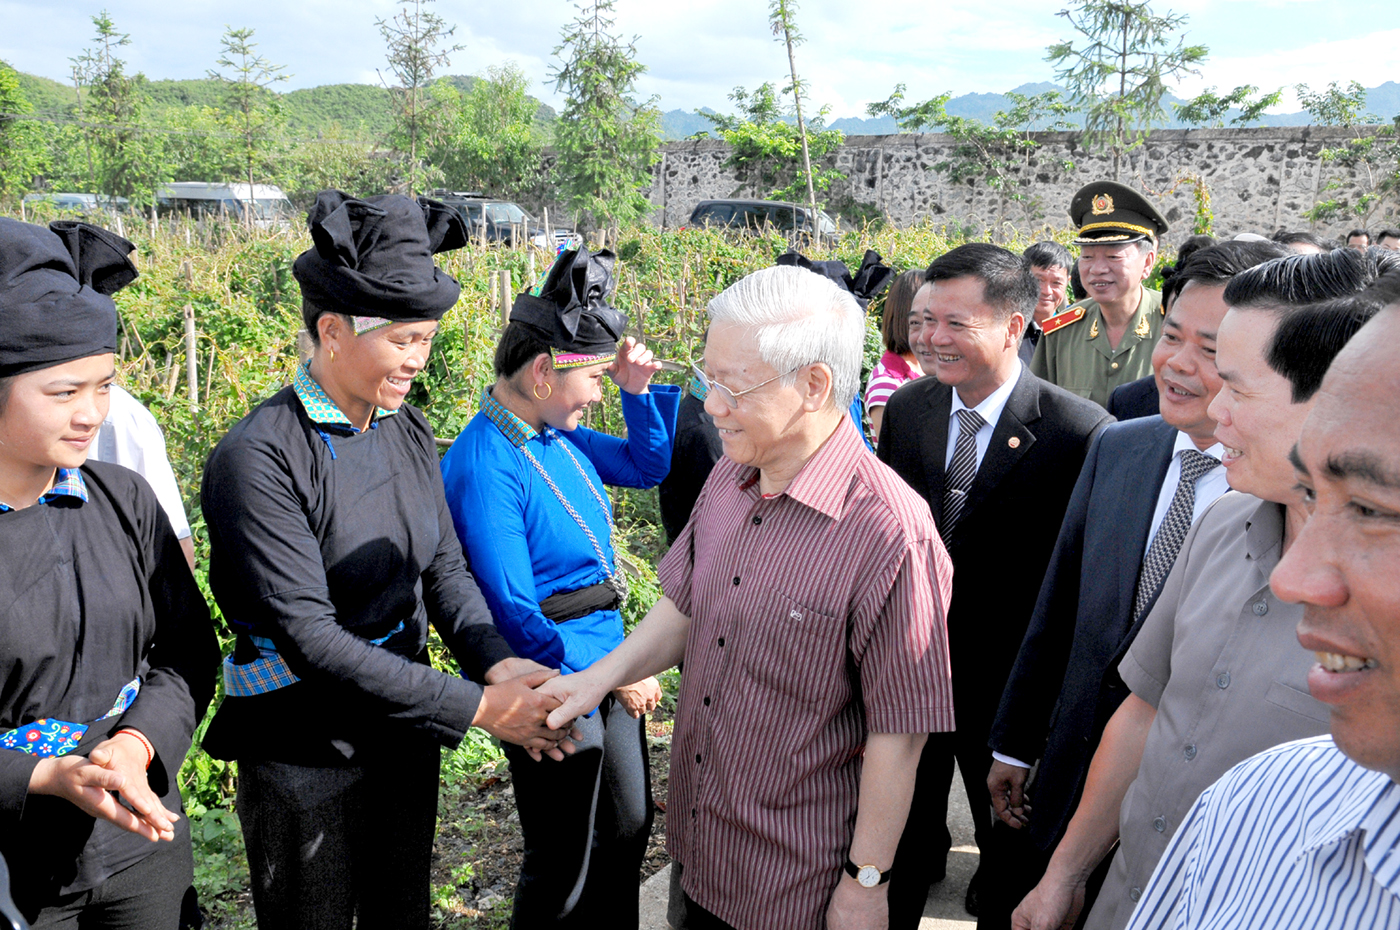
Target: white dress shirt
column 131, row 437
column 990, row 409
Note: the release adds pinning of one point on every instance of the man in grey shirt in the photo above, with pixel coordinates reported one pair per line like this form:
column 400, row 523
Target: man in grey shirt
column 1216, row 671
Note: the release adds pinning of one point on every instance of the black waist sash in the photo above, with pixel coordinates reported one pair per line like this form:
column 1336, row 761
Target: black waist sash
column 570, row 605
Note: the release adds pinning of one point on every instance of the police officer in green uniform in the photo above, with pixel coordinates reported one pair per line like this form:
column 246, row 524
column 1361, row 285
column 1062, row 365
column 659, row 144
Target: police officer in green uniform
column 1107, row 339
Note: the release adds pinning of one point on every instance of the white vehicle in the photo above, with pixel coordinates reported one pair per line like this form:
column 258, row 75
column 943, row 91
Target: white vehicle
column 267, row 205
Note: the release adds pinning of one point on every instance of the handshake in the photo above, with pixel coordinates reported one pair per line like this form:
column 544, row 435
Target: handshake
column 535, row 707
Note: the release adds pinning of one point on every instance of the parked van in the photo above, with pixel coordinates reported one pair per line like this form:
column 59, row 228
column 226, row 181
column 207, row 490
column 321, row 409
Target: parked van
column 268, row 206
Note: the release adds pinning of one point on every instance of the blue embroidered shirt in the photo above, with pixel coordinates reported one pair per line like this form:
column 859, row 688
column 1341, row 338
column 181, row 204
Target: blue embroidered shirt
column 520, row 541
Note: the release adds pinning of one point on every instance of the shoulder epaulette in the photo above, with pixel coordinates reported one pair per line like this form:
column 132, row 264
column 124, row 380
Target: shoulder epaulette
column 1062, row 319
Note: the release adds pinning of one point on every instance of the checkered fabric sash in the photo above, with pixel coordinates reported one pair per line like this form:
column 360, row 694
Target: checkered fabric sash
column 49, row 737
column 269, row 671
column 1172, row 533
column 962, row 470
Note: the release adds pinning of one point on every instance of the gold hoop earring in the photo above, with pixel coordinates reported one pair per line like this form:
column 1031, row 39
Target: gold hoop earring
column 548, row 391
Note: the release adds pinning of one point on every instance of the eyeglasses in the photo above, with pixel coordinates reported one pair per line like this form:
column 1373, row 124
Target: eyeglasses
column 731, row 397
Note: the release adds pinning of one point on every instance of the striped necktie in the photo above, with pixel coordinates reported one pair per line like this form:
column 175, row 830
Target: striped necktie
column 1167, row 543
column 962, row 469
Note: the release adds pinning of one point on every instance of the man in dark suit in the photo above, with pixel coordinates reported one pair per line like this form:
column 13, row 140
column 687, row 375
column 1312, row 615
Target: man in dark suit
column 995, row 452
column 1062, row 691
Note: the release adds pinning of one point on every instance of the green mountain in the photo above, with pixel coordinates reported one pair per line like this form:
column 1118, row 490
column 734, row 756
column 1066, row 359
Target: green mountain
column 361, row 109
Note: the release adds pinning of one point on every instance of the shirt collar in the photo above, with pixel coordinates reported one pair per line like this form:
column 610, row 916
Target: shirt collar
column 67, row 484
column 994, row 403
column 318, row 404
column 1185, row 442
column 516, row 430
column 818, row 483
column 1370, row 805
column 1263, row 535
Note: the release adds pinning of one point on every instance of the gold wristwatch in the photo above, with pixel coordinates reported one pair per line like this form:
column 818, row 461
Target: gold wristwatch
column 869, row 876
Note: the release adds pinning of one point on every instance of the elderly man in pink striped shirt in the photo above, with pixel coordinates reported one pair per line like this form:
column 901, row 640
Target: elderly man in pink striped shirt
column 807, row 596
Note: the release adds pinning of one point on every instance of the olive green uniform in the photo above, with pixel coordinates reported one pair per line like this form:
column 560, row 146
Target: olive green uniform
column 1077, row 357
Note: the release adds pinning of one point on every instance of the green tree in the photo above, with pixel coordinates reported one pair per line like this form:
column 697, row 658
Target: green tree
column 1370, row 153
column 606, row 140
column 21, row 145
column 253, row 111
column 1209, row 109
column 1116, row 71
column 415, row 38
column 337, row 159
column 489, row 138
column 781, row 18
column 126, row 159
column 765, row 146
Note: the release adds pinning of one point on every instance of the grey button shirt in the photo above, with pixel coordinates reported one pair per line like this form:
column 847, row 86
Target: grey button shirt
column 1218, row 656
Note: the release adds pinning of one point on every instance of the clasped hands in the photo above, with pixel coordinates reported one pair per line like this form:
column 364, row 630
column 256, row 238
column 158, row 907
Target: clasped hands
column 535, row 707
column 114, row 771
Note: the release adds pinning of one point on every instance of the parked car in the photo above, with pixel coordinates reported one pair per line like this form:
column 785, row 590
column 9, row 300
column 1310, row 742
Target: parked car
column 84, row 204
column 503, row 220
column 753, row 216
column 266, row 204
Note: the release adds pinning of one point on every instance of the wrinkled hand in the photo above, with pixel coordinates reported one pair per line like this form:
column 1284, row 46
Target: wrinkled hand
column 514, row 667
column 1051, row 905
column 578, row 694
column 855, row 908
column 633, row 367
column 640, row 698
column 514, row 711
column 1006, row 784
column 90, row 783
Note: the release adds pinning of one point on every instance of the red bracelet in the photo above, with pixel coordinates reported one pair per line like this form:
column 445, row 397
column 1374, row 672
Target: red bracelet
column 145, row 743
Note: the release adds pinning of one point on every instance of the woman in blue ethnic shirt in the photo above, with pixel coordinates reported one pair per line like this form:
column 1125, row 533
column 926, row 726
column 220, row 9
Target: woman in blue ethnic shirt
column 107, row 656
column 525, row 483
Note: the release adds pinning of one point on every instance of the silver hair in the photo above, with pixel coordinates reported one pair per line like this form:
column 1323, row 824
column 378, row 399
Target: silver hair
column 800, row 318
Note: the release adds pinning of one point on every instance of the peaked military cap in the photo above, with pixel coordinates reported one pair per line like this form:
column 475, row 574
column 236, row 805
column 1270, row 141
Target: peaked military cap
column 1107, row 212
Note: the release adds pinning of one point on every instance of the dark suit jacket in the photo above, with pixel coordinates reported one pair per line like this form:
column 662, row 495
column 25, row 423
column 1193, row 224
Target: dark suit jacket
column 696, row 449
column 1002, row 543
column 1134, row 400
column 1064, row 686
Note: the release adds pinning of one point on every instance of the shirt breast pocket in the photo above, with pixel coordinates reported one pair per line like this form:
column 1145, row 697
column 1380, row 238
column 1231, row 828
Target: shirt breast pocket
column 793, row 649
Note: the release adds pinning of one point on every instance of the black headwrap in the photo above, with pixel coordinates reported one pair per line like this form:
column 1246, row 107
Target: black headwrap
column 374, row 257
column 55, row 293
column 572, row 313
column 872, row 277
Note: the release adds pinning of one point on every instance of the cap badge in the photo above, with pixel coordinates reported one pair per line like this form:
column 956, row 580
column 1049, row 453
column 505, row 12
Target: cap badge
column 1102, row 204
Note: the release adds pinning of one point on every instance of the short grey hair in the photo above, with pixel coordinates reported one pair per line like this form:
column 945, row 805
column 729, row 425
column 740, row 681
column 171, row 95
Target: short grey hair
column 800, row 318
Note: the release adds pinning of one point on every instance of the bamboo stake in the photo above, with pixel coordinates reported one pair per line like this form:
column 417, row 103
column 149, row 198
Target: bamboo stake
column 191, row 356
column 505, row 297
column 209, row 371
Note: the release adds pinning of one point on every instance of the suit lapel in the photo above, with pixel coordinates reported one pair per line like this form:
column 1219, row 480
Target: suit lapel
column 935, row 450
column 1138, row 484
column 1011, row 439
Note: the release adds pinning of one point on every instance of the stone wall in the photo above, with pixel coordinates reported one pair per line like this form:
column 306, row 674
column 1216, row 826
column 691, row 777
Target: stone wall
column 1259, row 179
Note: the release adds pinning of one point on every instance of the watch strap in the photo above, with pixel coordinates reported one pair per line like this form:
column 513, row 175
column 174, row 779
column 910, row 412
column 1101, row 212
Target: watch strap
column 853, row 870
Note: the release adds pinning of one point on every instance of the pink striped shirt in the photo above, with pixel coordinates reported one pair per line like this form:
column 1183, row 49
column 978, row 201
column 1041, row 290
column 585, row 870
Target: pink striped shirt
column 817, row 616
column 890, row 374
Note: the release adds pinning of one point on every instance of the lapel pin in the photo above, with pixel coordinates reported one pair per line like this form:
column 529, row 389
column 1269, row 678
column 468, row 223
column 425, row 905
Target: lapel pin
column 1014, row 442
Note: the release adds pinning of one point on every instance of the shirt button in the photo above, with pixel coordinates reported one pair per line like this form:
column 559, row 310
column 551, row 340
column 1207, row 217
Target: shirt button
column 1223, row 680
column 1135, row 893
column 1261, row 608
column 736, row 579
column 757, row 520
column 693, row 812
column 721, row 642
column 697, row 758
column 1190, row 752
column 1159, row 824
column 1114, row 366
column 707, row 700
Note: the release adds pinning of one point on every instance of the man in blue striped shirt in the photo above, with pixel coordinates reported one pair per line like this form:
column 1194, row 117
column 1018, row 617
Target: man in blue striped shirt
column 1307, row 834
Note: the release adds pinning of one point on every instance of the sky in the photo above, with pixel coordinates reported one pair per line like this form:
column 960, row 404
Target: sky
column 697, row 52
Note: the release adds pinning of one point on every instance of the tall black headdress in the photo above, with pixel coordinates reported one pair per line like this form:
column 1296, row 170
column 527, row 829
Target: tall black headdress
column 373, row 258
column 55, row 293
column 870, row 279
column 572, row 313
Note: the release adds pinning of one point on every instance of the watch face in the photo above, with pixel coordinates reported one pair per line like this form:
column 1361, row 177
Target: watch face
column 868, row 876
